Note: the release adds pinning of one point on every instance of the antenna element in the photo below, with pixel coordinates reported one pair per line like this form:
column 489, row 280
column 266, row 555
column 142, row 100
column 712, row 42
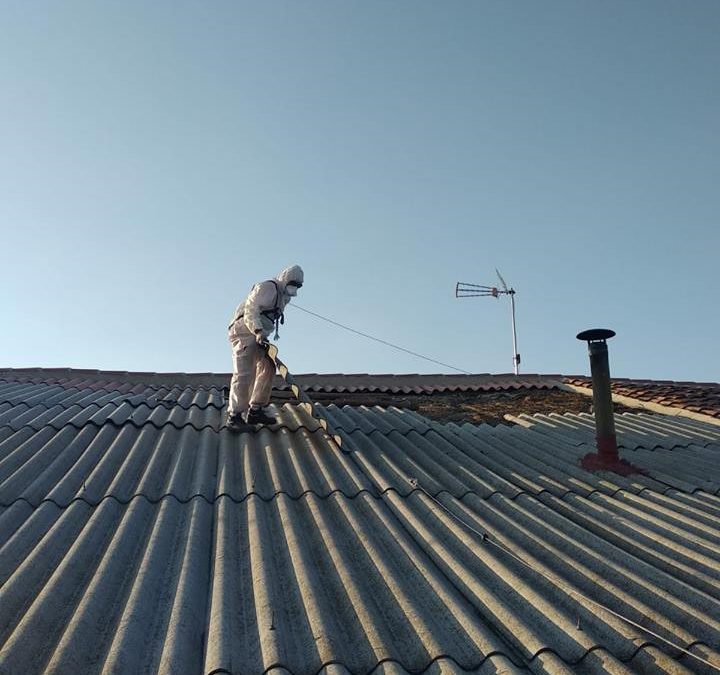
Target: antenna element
column 464, row 290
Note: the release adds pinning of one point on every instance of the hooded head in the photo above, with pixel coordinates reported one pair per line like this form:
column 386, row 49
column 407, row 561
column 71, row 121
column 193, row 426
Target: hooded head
column 291, row 278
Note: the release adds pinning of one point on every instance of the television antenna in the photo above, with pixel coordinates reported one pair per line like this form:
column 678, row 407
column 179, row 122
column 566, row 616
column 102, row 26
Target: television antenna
column 463, row 290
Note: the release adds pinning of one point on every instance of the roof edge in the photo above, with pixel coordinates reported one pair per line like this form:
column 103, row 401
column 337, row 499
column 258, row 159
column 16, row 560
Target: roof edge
column 210, row 379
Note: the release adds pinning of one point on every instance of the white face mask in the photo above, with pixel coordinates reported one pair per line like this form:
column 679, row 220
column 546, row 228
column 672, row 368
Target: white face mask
column 291, row 291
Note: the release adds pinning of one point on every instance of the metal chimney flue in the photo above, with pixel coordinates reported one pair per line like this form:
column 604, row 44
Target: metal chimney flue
column 607, row 457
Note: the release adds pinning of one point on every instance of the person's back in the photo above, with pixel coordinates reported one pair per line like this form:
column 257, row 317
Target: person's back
column 248, row 332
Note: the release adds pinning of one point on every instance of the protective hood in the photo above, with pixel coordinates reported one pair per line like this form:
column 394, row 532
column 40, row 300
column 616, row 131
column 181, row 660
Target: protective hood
column 293, row 273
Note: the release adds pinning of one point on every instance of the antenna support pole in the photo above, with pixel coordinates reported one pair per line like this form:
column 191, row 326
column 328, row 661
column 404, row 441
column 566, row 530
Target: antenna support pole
column 516, row 356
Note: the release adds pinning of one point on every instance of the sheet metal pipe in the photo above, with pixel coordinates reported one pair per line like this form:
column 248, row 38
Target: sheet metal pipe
column 602, row 395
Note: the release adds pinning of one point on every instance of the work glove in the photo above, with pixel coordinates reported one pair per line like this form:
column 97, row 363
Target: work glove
column 260, row 339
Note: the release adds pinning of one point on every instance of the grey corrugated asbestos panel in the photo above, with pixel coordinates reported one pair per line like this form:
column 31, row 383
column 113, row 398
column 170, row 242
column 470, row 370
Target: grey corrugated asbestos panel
column 65, row 395
column 147, row 383
column 152, row 542
column 123, row 461
column 634, row 430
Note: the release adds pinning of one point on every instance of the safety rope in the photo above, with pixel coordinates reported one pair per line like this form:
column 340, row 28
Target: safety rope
column 376, row 339
column 485, row 537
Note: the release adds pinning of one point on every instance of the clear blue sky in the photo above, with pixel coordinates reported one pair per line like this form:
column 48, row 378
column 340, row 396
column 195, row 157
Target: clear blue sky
column 157, row 158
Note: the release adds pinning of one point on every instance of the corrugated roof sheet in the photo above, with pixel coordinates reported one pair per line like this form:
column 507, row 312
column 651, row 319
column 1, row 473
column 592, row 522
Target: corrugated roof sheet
column 149, row 384
column 423, row 384
column 138, row 536
column 203, row 388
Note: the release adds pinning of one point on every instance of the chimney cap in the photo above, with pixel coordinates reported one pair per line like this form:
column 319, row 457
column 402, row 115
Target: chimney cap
column 596, row 334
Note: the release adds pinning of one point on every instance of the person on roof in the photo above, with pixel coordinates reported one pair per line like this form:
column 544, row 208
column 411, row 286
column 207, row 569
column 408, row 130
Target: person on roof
column 253, row 369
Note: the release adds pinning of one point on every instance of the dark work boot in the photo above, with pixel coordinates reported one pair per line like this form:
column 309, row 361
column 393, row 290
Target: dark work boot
column 257, row 416
column 234, row 422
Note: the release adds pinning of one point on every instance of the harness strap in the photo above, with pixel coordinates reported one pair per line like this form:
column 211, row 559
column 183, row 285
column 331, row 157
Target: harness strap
column 275, row 314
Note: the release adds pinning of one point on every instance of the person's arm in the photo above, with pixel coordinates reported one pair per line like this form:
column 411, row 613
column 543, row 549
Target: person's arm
column 261, row 298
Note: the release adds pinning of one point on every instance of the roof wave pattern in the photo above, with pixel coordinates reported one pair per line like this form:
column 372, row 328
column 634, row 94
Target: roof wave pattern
column 698, row 397
column 139, row 546
column 149, row 383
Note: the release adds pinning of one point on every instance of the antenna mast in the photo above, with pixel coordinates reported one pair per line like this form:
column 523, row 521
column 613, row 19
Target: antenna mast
column 463, row 290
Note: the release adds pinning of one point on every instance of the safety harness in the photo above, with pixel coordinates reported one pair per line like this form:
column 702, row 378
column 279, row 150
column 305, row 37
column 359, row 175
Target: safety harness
column 276, row 315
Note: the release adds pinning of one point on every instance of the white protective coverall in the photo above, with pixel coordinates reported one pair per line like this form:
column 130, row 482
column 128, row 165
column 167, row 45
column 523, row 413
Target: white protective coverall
column 253, row 369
